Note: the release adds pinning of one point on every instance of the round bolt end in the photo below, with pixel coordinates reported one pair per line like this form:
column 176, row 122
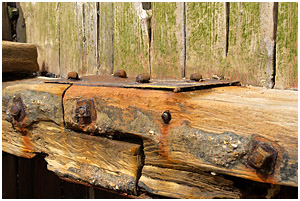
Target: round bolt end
column 166, row 116
column 73, row 75
column 196, row 77
column 143, row 78
column 15, row 110
column 120, row 73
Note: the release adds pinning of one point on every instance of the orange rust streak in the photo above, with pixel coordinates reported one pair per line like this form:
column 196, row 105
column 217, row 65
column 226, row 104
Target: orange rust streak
column 27, row 146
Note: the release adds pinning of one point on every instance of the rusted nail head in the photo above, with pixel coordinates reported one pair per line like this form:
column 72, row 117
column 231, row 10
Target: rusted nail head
column 120, row 73
column 166, row 116
column 143, row 78
column 15, row 110
column 73, row 75
column 196, row 77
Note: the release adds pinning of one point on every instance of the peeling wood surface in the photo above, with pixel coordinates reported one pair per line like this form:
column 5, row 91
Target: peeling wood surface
column 209, row 132
column 207, row 113
column 98, row 161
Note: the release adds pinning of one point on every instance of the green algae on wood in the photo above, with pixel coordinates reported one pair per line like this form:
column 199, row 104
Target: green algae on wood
column 206, row 38
column 130, row 45
column 287, row 46
column 167, row 40
column 243, row 50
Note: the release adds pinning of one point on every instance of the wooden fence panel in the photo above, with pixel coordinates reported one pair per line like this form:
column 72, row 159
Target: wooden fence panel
column 167, row 40
column 130, row 42
column 206, row 38
column 287, row 46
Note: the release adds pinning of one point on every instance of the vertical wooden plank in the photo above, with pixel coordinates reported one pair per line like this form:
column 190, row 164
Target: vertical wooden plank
column 244, row 51
column 206, row 38
column 46, row 184
column 78, row 38
column 71, row 38
column 43, row 35
column 130, row 43
column 105, row 45
column 252, row 43
column 21, row 25
column 25, row 178
column 287, row 46
column 167, row 40
column 74, row 191
column 6, row 27
column 268, row 20
column 9, row 176
column 90, row 44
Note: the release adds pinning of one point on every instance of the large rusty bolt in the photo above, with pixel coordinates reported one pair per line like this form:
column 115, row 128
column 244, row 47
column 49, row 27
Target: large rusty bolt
column 83, row 114
column 196, row 77
column 263, row 158
column 73, row 76
column 120, row 73
column 17, row 110
column 166, row 116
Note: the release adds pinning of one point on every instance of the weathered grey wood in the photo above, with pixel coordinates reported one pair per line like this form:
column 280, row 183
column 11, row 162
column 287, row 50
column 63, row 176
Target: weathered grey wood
column 19, row 57
column 287, row 46
column 105, row 43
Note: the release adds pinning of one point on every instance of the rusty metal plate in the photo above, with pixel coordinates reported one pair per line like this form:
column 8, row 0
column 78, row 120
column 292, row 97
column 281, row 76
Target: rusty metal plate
column 176, row 85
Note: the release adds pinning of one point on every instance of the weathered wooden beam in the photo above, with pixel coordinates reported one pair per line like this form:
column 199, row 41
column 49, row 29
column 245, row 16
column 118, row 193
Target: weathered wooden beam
column 19, row 57
column 98, row 161
column 218, row 129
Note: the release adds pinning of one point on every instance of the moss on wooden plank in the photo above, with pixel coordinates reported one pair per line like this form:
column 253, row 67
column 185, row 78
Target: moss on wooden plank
column 130, row 47
column 244, row 35
column 287, row 46
column 206, row 37
column 167, row 40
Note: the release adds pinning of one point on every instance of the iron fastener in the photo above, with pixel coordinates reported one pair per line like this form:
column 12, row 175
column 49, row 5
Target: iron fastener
column 143, row 78
column 73, row 75
column 196, row 77
column 263, row 158
column 166, row 116
column 17, row 110
column 83, row 114
column 120, row 73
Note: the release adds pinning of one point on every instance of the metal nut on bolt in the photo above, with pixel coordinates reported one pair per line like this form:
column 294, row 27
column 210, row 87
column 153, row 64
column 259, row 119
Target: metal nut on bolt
column 263, row 158
column 17, row 110
column 196, row 77
column 83, row 114
column 143, row 78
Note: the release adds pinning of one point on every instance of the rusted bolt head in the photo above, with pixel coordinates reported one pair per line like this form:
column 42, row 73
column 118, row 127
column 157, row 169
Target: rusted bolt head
column 166, row 116
column 196, row 77
column 120, row 73
column 15, row 110
column 143, row 78
column 73, row 75
column 263, row 158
